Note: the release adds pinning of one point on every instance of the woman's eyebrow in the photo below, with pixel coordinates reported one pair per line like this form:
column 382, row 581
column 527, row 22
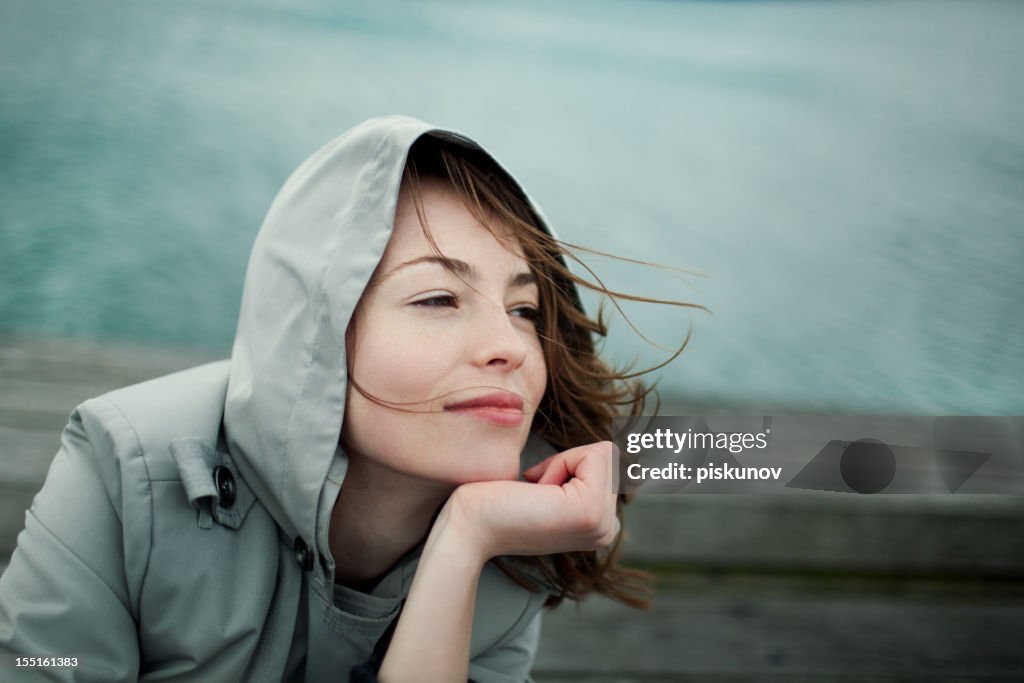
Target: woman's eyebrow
column 522, row 280
column 455, row 266
column 459, row 268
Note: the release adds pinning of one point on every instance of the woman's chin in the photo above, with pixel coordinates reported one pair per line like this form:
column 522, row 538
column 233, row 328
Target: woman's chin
column 492, row 476
column 448, row 458
column 498, row 469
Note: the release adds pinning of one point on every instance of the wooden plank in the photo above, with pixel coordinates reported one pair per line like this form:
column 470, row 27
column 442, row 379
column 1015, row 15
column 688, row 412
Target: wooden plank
column 14, row 501
column 29, row 396
column 25, row 455
column 975, row 534
column 762, row 628
column 42, row 380
column 67, row 361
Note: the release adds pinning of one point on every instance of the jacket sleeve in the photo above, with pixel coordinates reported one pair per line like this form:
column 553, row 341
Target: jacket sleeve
column 507, row 662
column 66, row 591
column 510, row 659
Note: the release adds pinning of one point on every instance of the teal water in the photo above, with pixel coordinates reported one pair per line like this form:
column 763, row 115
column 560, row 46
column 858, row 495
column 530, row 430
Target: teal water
column 847, row 176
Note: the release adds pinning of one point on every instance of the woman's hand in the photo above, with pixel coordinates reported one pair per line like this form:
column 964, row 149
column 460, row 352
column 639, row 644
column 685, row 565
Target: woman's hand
column 570, row 505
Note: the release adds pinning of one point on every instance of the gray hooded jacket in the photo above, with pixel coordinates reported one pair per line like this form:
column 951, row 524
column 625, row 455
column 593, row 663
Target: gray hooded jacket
column 181, row 534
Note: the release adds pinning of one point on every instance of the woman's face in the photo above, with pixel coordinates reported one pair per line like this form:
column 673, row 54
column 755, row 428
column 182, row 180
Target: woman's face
column 456, row 347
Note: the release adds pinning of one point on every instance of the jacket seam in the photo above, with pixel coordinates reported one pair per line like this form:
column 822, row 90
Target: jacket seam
column 516, row 627
column 78, row 558
column 315, row 346
column 140, row 452
column 507, row 638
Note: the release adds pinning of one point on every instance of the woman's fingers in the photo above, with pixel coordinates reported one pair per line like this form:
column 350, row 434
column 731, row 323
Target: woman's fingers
column 589, row 493
column 555, row 472
column 591, row 463
column 534, row 473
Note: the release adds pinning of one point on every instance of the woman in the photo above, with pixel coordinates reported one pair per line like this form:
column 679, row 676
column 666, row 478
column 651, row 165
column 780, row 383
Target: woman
column 343, row 495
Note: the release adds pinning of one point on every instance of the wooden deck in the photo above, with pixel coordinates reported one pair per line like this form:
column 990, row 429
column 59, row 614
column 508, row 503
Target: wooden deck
column 751, row 588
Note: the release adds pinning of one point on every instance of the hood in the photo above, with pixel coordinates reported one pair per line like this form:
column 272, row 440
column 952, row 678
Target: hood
column 316, row 250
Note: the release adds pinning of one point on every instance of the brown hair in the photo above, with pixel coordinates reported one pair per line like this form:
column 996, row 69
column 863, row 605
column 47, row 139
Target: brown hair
column 583, row 393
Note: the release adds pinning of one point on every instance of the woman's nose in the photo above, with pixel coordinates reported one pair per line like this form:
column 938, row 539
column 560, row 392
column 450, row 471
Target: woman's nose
column 498, row 342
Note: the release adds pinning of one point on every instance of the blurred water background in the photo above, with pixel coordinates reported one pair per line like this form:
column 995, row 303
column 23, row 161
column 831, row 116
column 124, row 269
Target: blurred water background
column 846, row 176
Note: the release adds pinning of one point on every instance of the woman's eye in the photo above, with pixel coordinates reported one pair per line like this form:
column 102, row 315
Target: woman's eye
column 439, row 301
column 531, row 313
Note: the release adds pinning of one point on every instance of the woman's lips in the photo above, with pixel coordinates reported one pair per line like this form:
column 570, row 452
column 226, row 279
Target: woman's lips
column 501, row 408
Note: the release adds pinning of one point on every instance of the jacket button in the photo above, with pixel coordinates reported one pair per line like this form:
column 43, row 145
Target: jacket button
column 303, row 555
column 225, row 482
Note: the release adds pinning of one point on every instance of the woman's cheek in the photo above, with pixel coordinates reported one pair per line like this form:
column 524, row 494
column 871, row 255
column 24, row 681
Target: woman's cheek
column 403, row 366
column 538, row 374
